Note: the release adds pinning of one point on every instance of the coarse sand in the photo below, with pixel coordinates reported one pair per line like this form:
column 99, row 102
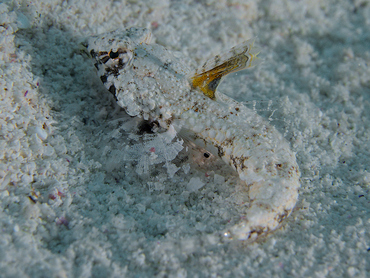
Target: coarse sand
column 73, row 203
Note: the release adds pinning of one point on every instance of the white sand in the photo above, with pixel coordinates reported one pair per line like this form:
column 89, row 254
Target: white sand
column 62, row 143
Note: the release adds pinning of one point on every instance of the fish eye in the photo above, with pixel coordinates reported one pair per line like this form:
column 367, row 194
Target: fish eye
column 113, row 55
column 114, row 59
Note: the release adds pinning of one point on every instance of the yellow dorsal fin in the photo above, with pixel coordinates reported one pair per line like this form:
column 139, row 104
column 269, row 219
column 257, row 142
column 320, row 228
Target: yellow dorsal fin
column 209, row 76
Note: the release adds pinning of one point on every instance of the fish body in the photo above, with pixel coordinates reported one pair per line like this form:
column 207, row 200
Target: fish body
column 149, row 82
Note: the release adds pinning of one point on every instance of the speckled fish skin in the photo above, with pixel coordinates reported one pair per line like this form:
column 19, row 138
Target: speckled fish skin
column 149, row 82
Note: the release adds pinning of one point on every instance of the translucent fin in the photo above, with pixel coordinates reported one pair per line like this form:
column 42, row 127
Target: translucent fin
column 209, row 76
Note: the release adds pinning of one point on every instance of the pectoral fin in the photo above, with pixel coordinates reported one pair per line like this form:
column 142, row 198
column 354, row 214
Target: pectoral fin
column 209, row 76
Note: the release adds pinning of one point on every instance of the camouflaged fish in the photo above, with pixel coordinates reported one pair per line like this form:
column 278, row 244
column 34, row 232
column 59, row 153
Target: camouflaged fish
column 149, row 82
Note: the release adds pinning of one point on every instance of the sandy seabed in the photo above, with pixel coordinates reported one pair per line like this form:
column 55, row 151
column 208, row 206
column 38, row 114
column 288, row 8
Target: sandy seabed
column 73, row 205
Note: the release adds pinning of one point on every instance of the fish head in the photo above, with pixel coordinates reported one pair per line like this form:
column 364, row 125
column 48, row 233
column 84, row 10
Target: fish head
column 113, row 52
column 140, row 74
